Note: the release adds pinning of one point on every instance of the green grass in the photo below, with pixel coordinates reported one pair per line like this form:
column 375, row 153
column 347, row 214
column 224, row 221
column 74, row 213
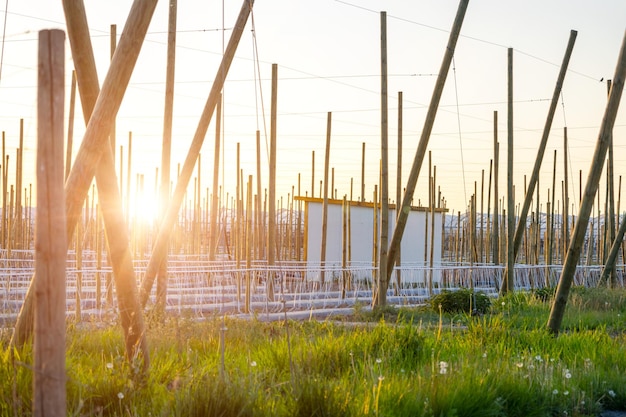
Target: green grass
column 402, row 362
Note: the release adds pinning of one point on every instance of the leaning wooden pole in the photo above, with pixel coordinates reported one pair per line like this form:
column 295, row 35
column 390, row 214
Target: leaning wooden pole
column 167, row 223
column 424, row 138
column 51, row 241
column 95, row 152
column 521, row 225
column 595, row 172
column 380, row 298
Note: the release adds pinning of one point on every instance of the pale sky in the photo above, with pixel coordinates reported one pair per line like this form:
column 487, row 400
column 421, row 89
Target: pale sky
column 328, row 56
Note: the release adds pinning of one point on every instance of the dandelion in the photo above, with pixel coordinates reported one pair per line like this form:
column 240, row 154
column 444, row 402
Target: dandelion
column 503, row 303
column 253, row 364
column 519, row 364
column 120, row 396
column 567, row 374
column 484, row 354
column 378, row 360
column 381, row 378
column 109, row 365
column 612, row 393
column 555, row 391
column 566, row 393
column 538, row 358
column 443, row 367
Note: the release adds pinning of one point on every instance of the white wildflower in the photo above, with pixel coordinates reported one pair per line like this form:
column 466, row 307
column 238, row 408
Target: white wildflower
column 120, row 395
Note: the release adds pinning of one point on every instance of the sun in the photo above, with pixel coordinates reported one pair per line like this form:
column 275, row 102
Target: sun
column 143, row 208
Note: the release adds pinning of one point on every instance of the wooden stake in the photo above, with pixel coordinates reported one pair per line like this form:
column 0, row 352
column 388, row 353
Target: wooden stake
column 51, row 249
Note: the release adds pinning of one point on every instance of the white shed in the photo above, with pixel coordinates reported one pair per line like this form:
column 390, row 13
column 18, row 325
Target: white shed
column 417, row 240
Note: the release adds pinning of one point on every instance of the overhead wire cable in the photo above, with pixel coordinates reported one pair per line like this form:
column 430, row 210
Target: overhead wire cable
column 4, row 31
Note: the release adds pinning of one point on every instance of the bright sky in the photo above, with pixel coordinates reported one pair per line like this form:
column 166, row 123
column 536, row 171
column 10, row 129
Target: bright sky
column 328, row 56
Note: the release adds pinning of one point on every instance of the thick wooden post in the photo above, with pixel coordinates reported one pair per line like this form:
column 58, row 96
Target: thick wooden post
column 423, row 143
column 381, row 295
column 161, row 290
column 167, row 223
column 509, row 276
column 51, row 240
column 578, row 236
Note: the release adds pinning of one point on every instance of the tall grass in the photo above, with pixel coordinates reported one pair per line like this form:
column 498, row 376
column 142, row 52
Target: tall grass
column 410, row 363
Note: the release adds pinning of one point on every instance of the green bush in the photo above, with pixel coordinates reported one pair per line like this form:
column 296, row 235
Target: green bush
column 461, row 301
column 544, row 294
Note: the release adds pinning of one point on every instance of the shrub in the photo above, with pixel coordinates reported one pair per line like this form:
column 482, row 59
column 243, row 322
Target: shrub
column 461, row 301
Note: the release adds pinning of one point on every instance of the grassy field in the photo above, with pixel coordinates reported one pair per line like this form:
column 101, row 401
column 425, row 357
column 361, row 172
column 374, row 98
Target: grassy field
column 406, row 362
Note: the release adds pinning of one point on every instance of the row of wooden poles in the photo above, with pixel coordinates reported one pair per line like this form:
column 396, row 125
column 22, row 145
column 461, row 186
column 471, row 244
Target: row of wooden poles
column 61, row 210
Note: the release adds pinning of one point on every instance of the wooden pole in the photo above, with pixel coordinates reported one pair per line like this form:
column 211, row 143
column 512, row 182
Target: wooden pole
column 425, row 136
column 249, row 244
column 509, row 276
column 166, row 147
column 521, row 226
column 259, row 214
column 325, row 201
column 399, row 190
column 381, row 296
column 160, row 245
column 271, row 225
column 573, row 253
column 50, row 251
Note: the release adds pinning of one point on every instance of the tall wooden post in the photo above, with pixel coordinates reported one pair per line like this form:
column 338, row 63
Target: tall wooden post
column 381, row 298
column 509, row 277
column 51, row 247
column 424, row 138
column 271, row 229
column 573, row 253
column 399, row 189
column 161, row 289
column 325, row 201
column 160, row 245
column 521, row 226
